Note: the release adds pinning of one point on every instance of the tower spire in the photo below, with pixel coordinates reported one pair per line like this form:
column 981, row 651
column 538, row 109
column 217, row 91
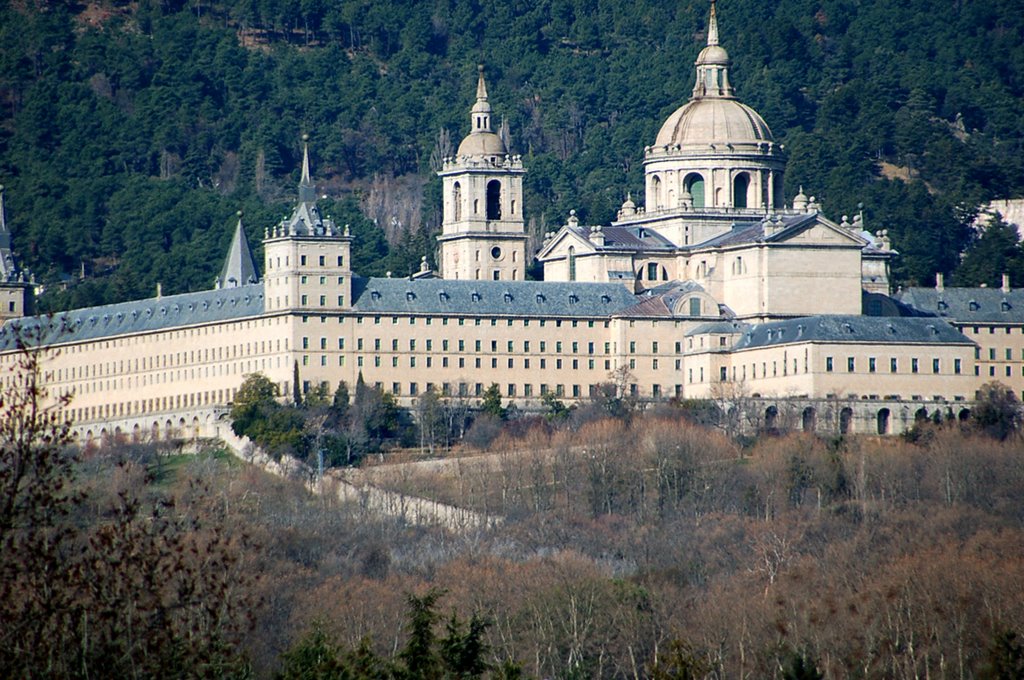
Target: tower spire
column 307, row 190
column 713, row 64
column 481, row 113
column 713, row 26
column 481, row 85
column 239, row 266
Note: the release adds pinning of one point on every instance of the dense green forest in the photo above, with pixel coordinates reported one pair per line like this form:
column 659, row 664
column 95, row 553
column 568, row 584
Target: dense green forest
column 132, row 132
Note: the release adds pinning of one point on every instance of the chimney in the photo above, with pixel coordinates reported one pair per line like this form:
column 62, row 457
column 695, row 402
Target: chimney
column 1006, row 283
column 940, row 284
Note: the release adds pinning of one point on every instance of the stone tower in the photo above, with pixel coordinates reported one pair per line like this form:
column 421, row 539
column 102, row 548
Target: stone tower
column 307, row 263
column 17, row 292
column 483, row 235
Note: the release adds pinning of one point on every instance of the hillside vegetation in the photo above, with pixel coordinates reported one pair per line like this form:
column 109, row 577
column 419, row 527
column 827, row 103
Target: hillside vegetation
column 131, row 132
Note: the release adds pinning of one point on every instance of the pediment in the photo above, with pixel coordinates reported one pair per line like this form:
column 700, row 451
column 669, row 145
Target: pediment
column 818, row 231
column 558, row 246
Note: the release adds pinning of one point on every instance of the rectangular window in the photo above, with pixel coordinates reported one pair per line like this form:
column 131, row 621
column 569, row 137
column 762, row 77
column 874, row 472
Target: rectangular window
column 828, row 365
column 321, row 261
column 935, row 365
column 850, row 365
column 654, row 348
column 913, row 365
column 632, row 346
column 871, row 364
column 956, row 366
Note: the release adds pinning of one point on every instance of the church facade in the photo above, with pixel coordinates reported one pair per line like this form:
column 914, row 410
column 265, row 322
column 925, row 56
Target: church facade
column 714, row 289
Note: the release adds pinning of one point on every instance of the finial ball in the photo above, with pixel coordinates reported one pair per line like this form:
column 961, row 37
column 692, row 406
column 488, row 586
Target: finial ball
column 239, row 213
column 305, row 137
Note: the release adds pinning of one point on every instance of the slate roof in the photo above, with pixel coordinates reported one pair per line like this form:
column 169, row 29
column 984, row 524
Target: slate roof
column 492, row 298
column 140, row 316
column 753, row 232
column 627, row 238
column 967, row 305
column 850, row 328
column 719, row 327
column 662, row 299
column 239, row 267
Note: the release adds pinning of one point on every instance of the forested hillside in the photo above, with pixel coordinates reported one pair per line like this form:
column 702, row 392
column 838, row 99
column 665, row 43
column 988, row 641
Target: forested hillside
column 131, row 132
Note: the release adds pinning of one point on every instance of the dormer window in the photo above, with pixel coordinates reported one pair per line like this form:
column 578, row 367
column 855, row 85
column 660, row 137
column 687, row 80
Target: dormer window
column 475, row 296
column 573, row 298
column 973, row 305
column 374, row 294
column 541, row 299
column 508, row 297
column 410, row 296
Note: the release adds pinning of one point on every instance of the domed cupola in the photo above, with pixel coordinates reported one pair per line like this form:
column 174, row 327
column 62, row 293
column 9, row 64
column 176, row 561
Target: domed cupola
column 714, row 148
column 482, row 142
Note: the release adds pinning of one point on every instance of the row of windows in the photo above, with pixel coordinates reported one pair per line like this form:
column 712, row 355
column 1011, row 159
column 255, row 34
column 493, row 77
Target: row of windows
column 169, row 360
column 511, row 363
column 478, row 345
column 915, row 366
column 1007, row 352
column 303, row 261
column 525, row 390
column 155, row 405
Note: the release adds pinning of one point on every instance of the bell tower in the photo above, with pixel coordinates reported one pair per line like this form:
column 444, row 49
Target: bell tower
column 307, row 267
column 17, row 289
column 483, row 235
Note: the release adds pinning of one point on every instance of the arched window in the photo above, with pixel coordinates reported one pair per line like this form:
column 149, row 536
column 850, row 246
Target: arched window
column 494, row 200
column 457, row 201
column 740, row 184
column 694, row 184
column 656, row 191
column 572, row 263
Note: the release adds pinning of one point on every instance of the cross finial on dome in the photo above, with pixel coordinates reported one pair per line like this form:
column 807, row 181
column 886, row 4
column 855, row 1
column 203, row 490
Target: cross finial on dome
column 713, row 26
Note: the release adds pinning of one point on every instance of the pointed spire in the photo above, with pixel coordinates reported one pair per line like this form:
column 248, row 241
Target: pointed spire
column 8, row 268
column 305, row 160
column 481, row 113
column 3, row 216
column 239, row 267
column 481, row 86
column 713, row 26
column 307, row 190
column 713, row 64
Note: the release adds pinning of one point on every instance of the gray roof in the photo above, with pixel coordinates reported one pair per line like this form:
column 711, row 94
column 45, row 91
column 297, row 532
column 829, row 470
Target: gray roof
column 850, row 328
column 753, row 232
column 140, row 316
column 239, row 266
column 490, row 298
column 617, row 237
column 967, row 305
column 725, row 327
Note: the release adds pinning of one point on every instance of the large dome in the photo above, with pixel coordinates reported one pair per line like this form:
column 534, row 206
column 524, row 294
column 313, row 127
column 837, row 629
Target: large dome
column 702, row 122
column 482, row 144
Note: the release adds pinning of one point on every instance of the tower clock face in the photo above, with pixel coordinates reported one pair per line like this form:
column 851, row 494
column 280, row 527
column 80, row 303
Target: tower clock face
column 496, row 253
